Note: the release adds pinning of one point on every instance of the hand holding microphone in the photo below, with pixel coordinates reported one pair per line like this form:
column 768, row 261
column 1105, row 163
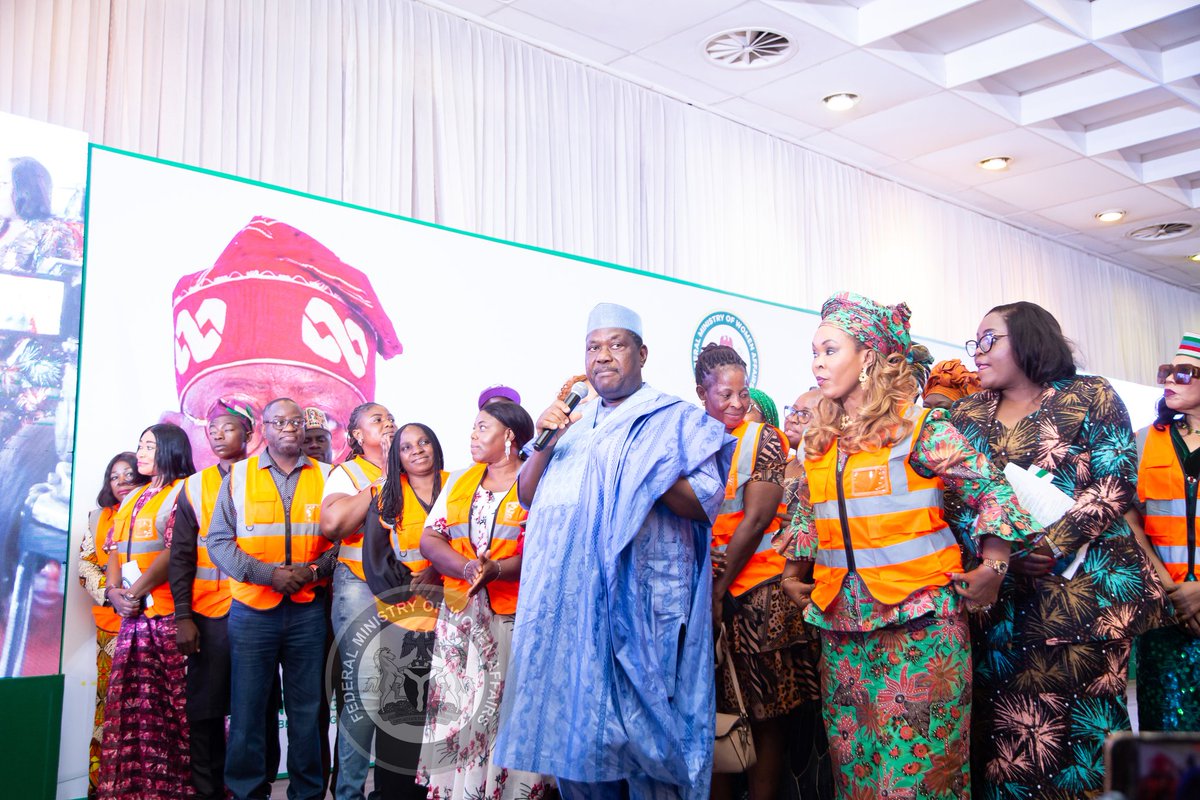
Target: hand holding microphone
column 559, row 416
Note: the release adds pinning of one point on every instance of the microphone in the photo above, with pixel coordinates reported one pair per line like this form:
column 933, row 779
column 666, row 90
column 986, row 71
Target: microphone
column 579, row 391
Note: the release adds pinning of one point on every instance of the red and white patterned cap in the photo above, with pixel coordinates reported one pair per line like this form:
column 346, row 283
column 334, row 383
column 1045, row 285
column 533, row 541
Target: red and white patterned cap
column 276, row 297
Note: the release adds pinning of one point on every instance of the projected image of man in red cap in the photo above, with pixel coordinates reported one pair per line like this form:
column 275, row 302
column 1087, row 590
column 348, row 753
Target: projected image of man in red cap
column 277, row 315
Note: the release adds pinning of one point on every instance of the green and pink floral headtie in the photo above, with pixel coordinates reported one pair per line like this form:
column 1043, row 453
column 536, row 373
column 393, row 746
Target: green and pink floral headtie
column 884, row 329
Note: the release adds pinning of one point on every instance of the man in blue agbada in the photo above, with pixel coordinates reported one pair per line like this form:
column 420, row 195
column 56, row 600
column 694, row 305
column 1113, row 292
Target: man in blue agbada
column 610, row 684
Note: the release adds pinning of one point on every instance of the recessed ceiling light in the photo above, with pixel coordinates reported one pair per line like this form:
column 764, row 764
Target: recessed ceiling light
column 995, row 163
column 1112, row 215
column 842, row 101
column 1194, row 257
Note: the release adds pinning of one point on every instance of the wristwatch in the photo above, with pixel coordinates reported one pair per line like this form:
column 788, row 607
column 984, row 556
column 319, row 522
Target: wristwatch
column 1001, row 567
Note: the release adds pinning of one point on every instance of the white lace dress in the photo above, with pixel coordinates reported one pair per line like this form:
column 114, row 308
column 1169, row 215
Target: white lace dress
column 466, row 684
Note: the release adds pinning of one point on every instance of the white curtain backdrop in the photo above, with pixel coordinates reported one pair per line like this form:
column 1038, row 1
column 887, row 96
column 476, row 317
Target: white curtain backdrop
column 395, row 105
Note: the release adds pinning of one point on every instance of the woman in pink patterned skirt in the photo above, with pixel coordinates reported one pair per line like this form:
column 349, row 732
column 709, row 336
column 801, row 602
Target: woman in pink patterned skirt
column 145, row 751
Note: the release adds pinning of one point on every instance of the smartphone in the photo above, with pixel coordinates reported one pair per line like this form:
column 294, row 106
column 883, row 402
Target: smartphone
column 1153, row 765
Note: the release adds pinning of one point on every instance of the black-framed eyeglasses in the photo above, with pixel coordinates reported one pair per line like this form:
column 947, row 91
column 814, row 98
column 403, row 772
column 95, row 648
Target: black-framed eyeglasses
column 983, row 343
column 282, row 424
column 803, row 414
column 1182, row 373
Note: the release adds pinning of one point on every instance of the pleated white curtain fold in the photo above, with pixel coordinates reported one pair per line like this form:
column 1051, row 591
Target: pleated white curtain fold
column 394, row 105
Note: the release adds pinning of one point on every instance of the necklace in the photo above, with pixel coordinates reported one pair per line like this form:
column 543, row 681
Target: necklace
column 1186, row 426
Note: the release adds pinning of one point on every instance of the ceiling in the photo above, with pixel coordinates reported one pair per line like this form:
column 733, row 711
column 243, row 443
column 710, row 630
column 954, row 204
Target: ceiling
column 1096, row 103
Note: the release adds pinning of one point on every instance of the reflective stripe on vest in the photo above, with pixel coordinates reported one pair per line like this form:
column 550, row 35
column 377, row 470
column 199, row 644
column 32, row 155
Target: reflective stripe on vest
column 362, row 474
column 764, row 546
column 507, row 526
column 406, row 538
column 742, row 468
column 886, row 504
column 262, row 533
column 408, row 533
column 99, row 523
column 1163, row 486
column 143, row 538
column 1166, row 508
column 207, row 574
column 892, row 553
column 894, row 518
column 210, row 589
column 764, row 563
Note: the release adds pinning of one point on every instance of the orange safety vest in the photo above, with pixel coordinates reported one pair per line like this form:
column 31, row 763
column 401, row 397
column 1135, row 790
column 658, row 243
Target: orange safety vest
column 878, row 517
column 99, row 521
column 420, row 614
column 362, row 474
column 1161, row 484
column 142, row 538
column 507, row 528
column 262, row 531
column 210, row 590
column 765, row 564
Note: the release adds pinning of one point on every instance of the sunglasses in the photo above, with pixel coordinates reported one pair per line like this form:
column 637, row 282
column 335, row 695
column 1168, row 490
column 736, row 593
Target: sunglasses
column 1182, row 373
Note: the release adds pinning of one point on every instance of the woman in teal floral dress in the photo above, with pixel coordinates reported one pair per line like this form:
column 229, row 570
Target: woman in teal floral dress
column 1051, row 658
column 888, row 587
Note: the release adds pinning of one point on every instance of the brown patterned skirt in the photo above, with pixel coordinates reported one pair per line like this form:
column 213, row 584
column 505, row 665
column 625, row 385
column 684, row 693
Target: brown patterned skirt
column 106, row 644
column 776, row 655
column 145, row 753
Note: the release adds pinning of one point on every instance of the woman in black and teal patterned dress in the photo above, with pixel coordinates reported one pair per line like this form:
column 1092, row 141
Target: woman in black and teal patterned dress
column 1052, row 656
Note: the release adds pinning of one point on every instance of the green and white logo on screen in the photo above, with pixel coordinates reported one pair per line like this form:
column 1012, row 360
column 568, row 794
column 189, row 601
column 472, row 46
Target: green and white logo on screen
column 724, row 327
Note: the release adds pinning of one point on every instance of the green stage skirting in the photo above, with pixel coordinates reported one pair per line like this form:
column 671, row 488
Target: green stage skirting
column 29, row 737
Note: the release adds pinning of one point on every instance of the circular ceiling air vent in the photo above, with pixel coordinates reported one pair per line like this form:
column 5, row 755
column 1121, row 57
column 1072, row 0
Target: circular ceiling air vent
column 748, row 48
column 1158, row 233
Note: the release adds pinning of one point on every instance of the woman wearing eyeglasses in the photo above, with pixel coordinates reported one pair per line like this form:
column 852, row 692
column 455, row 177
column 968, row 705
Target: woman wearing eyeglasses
column 796, row 419
column 1052, row 655
column 1169, row 658
column 120, row 478
column 797, row 416
column 809, row 743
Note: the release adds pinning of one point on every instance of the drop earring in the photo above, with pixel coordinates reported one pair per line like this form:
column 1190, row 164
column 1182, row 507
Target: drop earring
column 507, row 449
column 862, row 375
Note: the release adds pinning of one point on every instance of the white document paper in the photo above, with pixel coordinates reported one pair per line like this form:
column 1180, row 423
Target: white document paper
column 1044, row 501
column 130, row 572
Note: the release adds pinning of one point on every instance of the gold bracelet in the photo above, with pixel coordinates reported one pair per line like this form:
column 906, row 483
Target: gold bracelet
column 787, row 578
